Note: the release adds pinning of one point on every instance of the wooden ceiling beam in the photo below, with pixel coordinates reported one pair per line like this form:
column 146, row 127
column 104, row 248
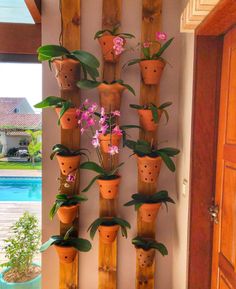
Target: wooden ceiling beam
column 19, row 38
column 34, row 7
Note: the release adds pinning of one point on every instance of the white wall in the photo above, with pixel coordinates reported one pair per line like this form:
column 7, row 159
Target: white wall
column 172, row 226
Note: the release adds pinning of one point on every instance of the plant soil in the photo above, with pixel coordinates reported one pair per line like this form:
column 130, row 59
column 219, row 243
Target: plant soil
column 12, row 276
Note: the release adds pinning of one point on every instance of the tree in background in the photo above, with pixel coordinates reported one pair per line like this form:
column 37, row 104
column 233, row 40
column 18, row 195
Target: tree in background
column 35, row 145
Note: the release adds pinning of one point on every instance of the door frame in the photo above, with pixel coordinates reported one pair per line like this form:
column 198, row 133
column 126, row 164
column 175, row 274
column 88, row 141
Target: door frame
column 206, row 95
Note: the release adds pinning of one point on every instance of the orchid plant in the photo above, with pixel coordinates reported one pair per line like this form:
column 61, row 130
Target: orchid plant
column 153, row 50
column 95, row 125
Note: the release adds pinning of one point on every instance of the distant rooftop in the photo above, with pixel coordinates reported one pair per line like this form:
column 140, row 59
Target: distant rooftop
column 14, row 121
column 8, row 105
column 15, row 11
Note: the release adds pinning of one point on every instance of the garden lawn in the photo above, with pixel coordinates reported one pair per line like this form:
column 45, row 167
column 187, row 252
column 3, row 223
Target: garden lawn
column 19, row 166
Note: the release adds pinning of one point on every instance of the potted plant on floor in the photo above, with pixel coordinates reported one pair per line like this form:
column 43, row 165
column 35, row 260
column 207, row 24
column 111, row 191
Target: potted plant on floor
column 146, row 250
column 66, row 207
column 149, row 205
column 112, row 43
column 67, row 64
column 150, row 115
column 20, row 250
column 67, row 246
column 68, row 159
column 109, row 93
column 108, row 228
column 152, row 64
column 65, row 110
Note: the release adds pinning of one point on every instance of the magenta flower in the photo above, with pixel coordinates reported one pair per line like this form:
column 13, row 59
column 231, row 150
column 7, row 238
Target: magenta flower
column 82, row 130
column 90, row 122
column 146, row 44
column 92, row 108
column 161, row 36
column 113, row 150
column 116, row 130
column 118, row 41
column 70, row 178
column 86, row 102
column 102, row 111
column 85, row 115
column 95, row 142
column 78, row 112
column 104, row 128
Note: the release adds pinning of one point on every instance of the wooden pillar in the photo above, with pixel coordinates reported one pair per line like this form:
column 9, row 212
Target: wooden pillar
column 111, row 15
column 151, row 23
column 70, row 13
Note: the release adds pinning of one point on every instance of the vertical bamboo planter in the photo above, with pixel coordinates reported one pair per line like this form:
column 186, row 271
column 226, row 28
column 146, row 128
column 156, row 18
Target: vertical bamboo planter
column 151, row 22
column 107, row 261
column 70, row 13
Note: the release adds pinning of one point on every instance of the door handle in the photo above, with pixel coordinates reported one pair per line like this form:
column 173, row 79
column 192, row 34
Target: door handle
column 214, row 212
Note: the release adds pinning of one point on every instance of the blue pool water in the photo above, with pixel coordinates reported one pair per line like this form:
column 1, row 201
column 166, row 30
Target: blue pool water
column 20, row 189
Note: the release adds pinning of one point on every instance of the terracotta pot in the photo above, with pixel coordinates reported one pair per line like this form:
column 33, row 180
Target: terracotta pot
column 110, row 96
column 68, row 164
column 67, row 214
column 67, row 72
column 66, row 254
column 151, row 71
column 145, row 257
column 109, row 140
column 69, row 119
column 149, row 168
column 108, row 233
column 106, row 43
column 148, row 212
column 146, row 119
column 109, row 188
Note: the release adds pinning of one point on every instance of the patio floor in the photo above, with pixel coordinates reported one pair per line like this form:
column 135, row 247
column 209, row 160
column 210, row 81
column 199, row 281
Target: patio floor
column 9, row 213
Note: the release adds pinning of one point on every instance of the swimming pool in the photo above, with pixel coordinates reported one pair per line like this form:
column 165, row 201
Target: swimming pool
column 20, row 189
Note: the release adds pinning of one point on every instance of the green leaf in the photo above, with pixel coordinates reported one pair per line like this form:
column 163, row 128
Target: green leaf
column 88, row 84
column 50, row 242
column 49, row 102
column 54, row 209
column 90, row 184
column 161, row 248
column 86, row 58
column 92, row 72
column 130, row 144
column 134, row 61
column 112, row 172
column 163, row 48
column 146, row 52
column 136, row 106
column 130, row 88
column 94, row 226
column 126, row 35
column 80, row 244
column 64, row 108
column 47, row 52
column 165, row 105
column 170, row 151
column 167, row 160
column 92, row 166
column 130, row 203
column 101, row 32
column 154, row 111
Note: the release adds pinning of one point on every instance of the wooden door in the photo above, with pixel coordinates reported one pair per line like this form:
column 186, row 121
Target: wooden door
column 224, row 239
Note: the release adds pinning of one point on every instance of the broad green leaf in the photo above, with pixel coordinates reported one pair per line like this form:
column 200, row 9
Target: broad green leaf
column 101, row 32
column 130, row 88
column 163, row 48
column 154, row 113
column 49, row 102
column 50, row 242
column 94, row 226
column 80, row 244
column 167, row 160
column 92, row 166
column 90, row 184
column 126, row 35
column 170, row 151
column 165, row 105
column 146, row 52
column 65, row 107
column 47, row 52
column 86, row 58
column 134, row 61
column 161, row 248
column 111, row 173
column 136, row 106
column 88, row 84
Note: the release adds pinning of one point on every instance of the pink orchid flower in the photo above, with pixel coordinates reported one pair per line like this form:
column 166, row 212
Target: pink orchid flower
column 95, row 142
column 90, row 122
column 118, row 41
column 161, row 36
column 116, row 130
column 102, row 111
column 92, row 108
column 116, row 113
column 70, row 178
column 113, row 150
column 85, row 115
column 103, row 129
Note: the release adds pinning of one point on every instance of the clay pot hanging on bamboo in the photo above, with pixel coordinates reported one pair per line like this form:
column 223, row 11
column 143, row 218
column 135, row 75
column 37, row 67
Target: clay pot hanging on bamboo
column 109, row 140
column 145, row 257
column 149, row 168
column 67, row 214
column 147, row 120
column 151, row 71
column 69, row 120
column 148, row 212
column 108, row 234
column 66, row 254
column 68, row 164
column 107, row 44
column 109, row 188
column 110, row 96
column 67, row 73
